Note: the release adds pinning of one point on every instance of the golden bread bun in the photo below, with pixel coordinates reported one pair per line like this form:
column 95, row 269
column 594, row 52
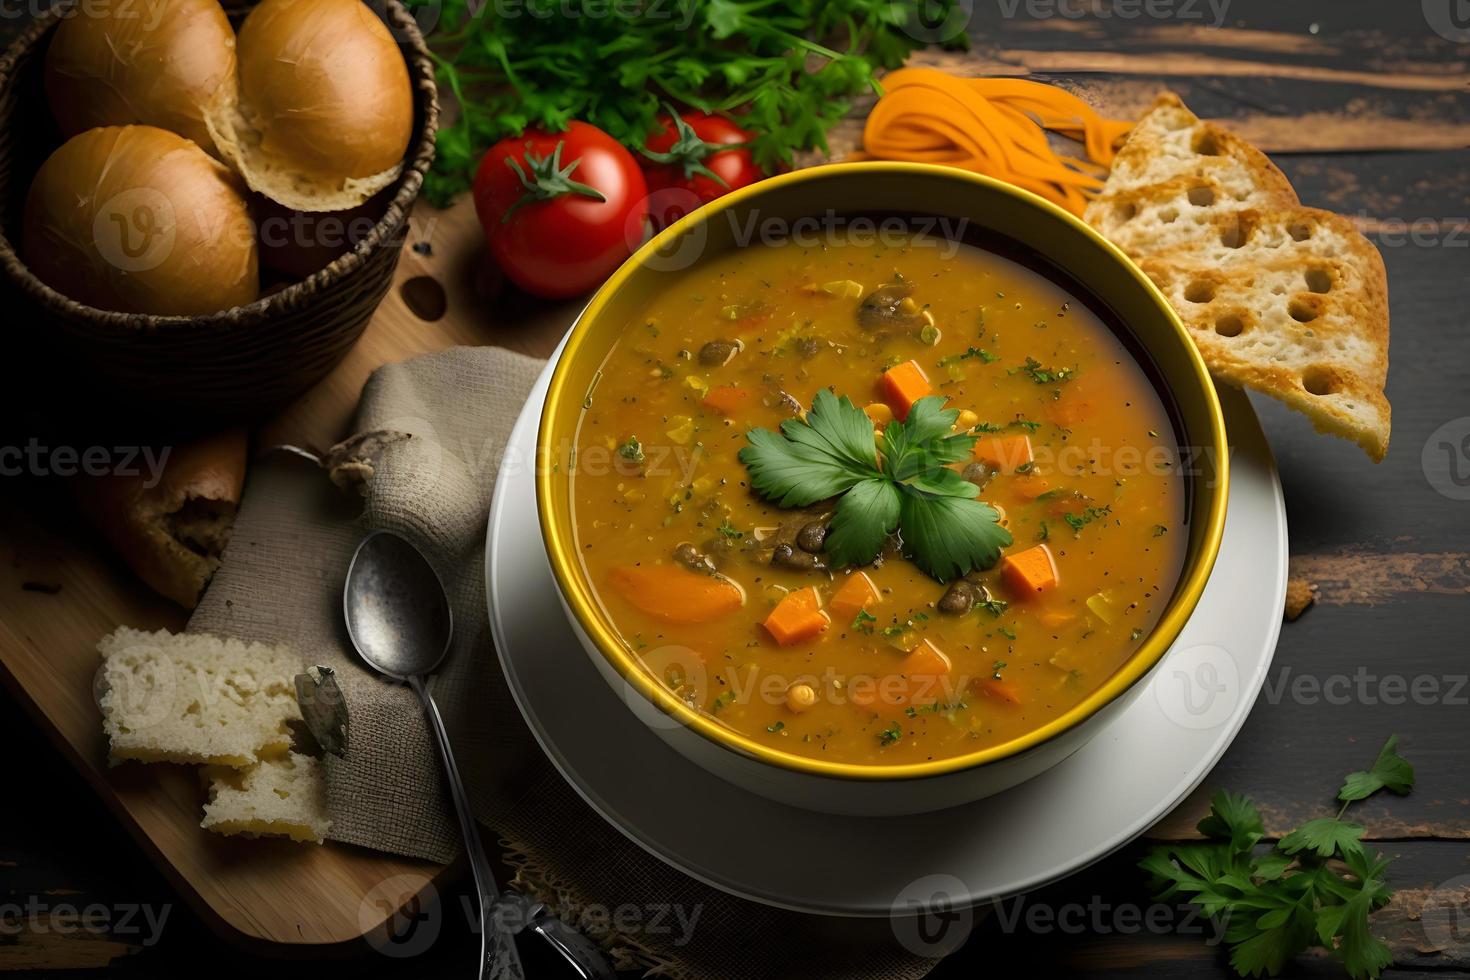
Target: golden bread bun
column 140, row 220
column 323, row 112
column 154, row 62
column 172, row 528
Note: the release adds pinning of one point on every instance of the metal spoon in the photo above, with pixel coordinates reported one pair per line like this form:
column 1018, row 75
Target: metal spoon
column 399, row 619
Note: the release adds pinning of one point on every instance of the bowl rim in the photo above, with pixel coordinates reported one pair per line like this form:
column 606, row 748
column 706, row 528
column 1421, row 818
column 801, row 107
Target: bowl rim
column 391, row 230
column 583, row 607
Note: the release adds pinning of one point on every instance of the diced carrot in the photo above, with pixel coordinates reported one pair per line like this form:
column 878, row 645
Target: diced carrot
column 797, row 617
column 726, row 399
column 855, row 595
column 1001, row 690
column 902, row 385
column 1005, row 453
column 677, row 594
column 924, row 660
column 1030, row 486
column 918, row 680
column 1031, row 571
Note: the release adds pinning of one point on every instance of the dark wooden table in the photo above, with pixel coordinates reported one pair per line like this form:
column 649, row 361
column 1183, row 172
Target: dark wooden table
column 1366, row 106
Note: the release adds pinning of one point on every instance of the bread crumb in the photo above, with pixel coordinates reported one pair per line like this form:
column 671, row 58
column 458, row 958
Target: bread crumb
column 1299, row 595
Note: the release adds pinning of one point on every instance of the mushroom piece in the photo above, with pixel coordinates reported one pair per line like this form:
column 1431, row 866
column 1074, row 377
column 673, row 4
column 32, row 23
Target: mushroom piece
column 785, row 556
column 717, row 353
column 977, row 473
column 693, row 559
column 885, row 307
column 958, row 599
column 812, row 536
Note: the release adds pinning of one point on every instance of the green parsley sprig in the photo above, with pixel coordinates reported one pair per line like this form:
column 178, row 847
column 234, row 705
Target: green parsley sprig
column 1316, row 887
column 899, row 482
column 785, row 71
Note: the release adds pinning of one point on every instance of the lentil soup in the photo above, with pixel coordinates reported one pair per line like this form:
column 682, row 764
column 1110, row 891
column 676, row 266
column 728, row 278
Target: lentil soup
column 970, row 616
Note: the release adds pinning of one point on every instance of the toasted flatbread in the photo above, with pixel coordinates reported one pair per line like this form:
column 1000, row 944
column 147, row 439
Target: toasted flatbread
column 1288, row 300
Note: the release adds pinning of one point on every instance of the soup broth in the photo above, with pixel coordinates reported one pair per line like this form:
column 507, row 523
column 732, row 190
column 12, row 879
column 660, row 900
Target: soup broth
column 882, row 662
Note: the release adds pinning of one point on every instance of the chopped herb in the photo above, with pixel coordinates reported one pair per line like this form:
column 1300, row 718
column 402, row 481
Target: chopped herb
column 981, row 353
column 1026, row 467
column 1043, row 533
column 993, row 606
column 890, row 735
column 997, row 667
column 1160, row 530
column 774, row 728
column 1041, row 375
column 1135, row 634
column 864, row 621
column 724, row 700
column 1079, row 521
column 632, row 450
column 899, row 481
column 730, row 531
column 1006, row 632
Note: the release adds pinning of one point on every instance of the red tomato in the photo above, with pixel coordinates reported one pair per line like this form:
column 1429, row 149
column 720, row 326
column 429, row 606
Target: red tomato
column 688, row 167
column 561, row 210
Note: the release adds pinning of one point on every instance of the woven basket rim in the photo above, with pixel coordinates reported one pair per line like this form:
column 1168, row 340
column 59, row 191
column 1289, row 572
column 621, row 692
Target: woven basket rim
column 416, row 165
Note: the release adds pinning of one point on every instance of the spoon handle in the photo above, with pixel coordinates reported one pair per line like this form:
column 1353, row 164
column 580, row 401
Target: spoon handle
column 499, row 959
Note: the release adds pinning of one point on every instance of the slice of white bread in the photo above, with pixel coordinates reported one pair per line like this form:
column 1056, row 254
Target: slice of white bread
column 1290, row 301
column 195, row 698
column 281, row 797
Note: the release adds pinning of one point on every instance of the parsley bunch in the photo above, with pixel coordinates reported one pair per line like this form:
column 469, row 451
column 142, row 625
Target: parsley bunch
column 1316, row 887
column 909, row 488
column 787, row 71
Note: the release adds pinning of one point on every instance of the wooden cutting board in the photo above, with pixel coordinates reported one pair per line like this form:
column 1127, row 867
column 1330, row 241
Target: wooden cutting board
column 60, row 590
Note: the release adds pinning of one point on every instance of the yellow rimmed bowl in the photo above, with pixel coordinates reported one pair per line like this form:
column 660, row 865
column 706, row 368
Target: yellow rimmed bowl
column 1104, row 277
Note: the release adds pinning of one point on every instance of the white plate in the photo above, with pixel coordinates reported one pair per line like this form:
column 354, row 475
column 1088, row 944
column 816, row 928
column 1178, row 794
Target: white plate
column 1102, row 797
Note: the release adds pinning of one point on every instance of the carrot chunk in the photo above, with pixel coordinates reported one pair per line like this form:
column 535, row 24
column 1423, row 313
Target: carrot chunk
column 726, row 399
column 1001, row 690
column 1005, row 453
column 798, row 617
column 854, row 596
column 676, row 594
column 902, row 385
column 918, row 680
column 1030, row 486
column 1031, row 571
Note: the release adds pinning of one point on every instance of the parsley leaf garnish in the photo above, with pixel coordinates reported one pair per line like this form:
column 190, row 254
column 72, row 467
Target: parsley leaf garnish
column 899, row 482
column 1317, row 887
column 1391, row 771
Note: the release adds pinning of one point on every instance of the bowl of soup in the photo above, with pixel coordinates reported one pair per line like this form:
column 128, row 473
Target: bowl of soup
column 879, row 488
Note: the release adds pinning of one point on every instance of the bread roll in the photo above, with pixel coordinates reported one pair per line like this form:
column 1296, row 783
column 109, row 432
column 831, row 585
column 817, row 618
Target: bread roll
column 171, row 533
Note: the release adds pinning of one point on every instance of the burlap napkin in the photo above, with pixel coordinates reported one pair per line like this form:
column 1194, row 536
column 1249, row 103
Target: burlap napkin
column 281, row 580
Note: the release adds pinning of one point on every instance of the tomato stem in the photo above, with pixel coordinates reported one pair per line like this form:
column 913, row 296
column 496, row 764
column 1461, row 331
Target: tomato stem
column 547, row 180
column 688, row 150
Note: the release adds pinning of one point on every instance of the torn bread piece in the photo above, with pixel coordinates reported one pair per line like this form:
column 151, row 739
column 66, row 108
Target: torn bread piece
column 1288, row 300
column 195, row 698
column 280, row 797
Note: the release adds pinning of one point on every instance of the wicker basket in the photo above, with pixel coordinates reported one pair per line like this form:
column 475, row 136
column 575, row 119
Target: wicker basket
column 234, row 365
